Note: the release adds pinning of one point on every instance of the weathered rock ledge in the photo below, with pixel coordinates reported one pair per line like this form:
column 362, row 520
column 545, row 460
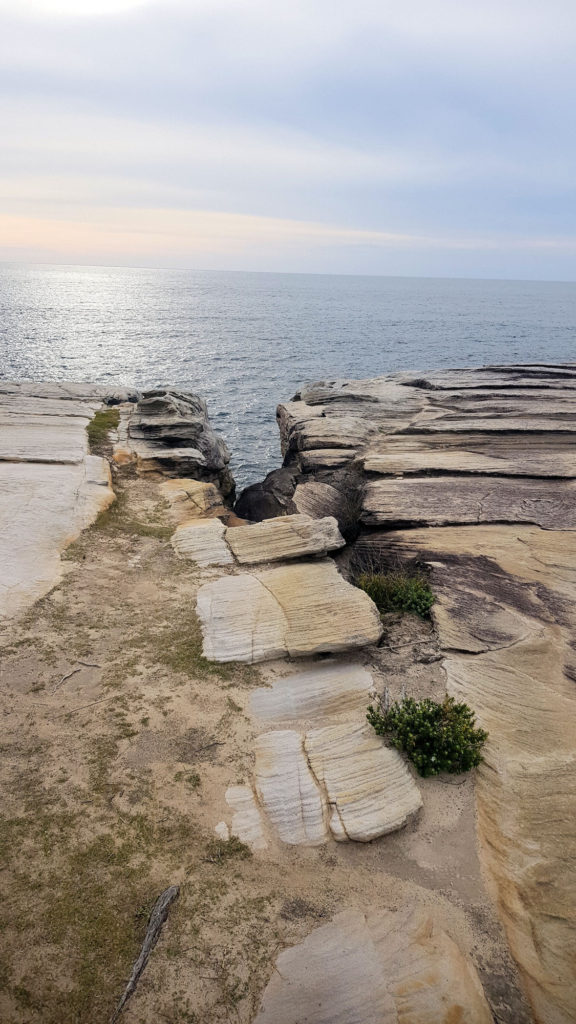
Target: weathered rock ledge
column 473, row 472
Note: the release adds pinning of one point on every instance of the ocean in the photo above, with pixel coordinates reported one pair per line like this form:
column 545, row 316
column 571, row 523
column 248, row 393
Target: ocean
column 246, row 341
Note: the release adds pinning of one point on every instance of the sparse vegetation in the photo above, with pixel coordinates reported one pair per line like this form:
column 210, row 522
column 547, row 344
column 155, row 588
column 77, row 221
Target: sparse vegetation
column 99, row 427
column 220, row 850
column 436, row 736
column 398, row 591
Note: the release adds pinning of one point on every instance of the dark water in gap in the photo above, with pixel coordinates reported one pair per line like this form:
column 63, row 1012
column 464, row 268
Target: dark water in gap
column 246, row 341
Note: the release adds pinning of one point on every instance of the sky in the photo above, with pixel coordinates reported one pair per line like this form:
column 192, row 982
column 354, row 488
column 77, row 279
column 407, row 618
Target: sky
column 413, row 137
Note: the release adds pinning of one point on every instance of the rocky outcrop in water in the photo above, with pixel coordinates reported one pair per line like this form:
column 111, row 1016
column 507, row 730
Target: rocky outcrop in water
column 169, row 432
column 472, row 473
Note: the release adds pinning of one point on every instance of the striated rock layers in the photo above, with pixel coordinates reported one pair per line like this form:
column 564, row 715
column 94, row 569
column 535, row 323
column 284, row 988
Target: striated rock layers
column 298, row 610
column 169, row 432
column 382, row 968
column 473, row 473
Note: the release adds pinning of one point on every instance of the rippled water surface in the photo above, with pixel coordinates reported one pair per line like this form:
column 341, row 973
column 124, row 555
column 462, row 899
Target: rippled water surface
column 247, row 341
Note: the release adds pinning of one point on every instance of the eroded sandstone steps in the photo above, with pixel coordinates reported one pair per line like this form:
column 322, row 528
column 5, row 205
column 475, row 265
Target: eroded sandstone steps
column 485, row 460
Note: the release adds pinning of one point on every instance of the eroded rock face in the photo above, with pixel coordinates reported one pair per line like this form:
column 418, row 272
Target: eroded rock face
column 51, row 488
column 485, row 460
column 169, row 432
column 299, row 610
column 381, row 968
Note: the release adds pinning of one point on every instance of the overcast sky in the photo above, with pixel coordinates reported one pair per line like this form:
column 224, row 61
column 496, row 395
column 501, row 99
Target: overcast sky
column 432, row 137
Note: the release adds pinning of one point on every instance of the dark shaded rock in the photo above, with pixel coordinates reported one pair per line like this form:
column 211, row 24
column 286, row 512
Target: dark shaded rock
column 272, row 497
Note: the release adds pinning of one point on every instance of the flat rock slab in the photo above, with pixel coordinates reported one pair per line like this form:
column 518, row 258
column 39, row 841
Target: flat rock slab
column 295, row 609
column 381, row 968
column 284, row 537
column 321, row 693
column 506, row 619
column 339, row 781
column 546, row 455
column 51, row 488
column 202, row 541
column 448, row 500
column 288, row 790
column 370, row 790
column 43, row 508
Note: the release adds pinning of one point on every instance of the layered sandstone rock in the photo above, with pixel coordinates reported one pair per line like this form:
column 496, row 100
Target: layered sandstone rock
column 168, row 432
column 285, row 537
column 202, row 541
column 301, row 609
column 379, row 968
column 483, row 459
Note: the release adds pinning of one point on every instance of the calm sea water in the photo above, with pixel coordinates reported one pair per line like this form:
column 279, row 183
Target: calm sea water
column 246, row 341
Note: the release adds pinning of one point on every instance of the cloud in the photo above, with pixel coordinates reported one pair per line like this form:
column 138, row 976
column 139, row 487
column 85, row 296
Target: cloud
column 429, row 119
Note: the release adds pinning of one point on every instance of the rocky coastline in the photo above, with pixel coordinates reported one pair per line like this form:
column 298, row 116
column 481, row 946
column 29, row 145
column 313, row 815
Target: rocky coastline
column 359, row 890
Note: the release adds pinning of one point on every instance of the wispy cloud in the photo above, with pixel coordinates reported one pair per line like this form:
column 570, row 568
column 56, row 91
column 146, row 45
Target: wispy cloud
column 432, row 126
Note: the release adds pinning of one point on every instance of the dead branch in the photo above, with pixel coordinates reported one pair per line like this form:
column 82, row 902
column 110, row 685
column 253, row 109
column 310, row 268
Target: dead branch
column 156, row 923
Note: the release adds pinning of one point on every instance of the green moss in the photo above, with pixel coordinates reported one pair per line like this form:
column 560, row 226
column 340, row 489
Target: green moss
column 100, row 425
column 179, row 646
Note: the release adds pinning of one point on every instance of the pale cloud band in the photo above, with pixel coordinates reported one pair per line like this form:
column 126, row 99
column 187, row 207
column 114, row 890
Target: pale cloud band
column 428, row 137
column 184, row 237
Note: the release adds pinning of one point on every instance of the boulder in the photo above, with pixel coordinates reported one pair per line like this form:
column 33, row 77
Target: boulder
column 272, row 497
column 284, row 537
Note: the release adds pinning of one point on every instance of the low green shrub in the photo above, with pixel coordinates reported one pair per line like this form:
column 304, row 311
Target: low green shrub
column 436, row 736
column 397, row 591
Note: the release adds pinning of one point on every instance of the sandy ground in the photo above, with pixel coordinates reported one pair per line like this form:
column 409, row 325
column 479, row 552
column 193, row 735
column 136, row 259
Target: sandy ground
column 115, row 777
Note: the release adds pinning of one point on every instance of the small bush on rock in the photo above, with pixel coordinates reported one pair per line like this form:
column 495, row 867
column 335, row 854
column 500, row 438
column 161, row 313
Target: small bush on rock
column 436, row 736
column 398, row 591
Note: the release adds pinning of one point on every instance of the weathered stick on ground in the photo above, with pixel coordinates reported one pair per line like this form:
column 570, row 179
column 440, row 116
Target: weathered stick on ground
column 156, row 922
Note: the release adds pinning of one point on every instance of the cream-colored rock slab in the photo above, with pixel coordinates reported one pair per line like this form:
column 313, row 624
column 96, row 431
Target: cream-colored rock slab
column 284, row 537
column 324, row 613
column 43, row 508
column 321, row 693
column 370, row 790
column 202, row 541
column 240, row 620
column 287, row 789
column 380, row 968
column 247, row 820
column 298, row 610
column 193, row 499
